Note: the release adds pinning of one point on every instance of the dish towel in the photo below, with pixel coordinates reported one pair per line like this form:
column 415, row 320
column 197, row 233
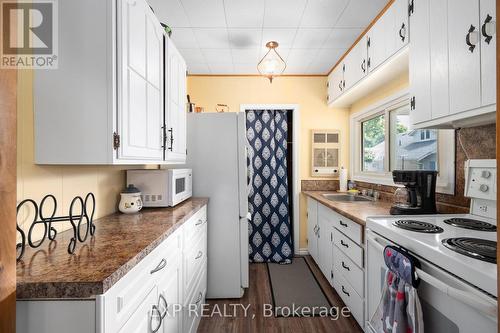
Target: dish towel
column 399, row 310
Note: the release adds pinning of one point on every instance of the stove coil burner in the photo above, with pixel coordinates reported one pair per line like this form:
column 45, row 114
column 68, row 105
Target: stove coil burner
column 477, row 248
column 418, row 226
column 471, row 224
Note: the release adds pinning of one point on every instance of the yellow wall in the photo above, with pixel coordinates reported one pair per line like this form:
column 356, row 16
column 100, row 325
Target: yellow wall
column 308, row 92
column 64, row 182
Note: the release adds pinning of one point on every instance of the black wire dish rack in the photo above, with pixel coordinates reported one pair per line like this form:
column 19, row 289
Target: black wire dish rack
column 81, row 215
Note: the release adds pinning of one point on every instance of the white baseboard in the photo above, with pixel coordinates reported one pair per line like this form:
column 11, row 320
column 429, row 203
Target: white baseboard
column 302, row 252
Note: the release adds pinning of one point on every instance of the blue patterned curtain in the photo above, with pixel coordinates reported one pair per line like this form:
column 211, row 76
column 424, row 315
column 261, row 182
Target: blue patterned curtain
column 269, row 230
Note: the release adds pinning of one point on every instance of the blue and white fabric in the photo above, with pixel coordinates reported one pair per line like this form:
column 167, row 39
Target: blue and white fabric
column 269, row 229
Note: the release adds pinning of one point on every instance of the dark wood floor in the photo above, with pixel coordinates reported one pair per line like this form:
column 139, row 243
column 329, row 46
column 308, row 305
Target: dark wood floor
column 259, row 293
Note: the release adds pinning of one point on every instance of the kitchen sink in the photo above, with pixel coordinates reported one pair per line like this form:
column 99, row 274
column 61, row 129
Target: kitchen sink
column 346, row 197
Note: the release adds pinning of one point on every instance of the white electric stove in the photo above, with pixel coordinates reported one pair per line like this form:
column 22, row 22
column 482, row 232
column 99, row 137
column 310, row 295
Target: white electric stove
column 458, row 256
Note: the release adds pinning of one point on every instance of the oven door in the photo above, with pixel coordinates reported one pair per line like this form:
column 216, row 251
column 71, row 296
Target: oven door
column 448, row 303
column 181, row 186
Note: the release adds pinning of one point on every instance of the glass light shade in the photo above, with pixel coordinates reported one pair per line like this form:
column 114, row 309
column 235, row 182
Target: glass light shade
column 271, row 65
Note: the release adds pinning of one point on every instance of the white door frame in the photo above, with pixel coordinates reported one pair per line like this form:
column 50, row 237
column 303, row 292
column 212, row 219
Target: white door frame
column 295, row 162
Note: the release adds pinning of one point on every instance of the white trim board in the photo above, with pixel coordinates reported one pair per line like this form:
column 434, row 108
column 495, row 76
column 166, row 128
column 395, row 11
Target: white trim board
column 295, row 163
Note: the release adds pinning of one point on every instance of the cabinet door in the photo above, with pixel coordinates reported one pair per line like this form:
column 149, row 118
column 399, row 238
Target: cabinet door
column 380, row 40
column 176, row 106
column 464, row 55
column 335, row 83
column 400, row 29
column 488, row 51
column 140, row 83
column 144, row 318
column 420, row 79
column 325, row 240
column 312, row 223
column 170, row 291
column 355, row 64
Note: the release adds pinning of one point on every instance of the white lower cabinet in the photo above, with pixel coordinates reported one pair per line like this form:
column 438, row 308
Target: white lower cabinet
column 338, row 250
column 159, row 294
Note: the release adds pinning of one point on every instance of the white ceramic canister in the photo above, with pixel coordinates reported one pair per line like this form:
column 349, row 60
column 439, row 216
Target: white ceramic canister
column 130, row 200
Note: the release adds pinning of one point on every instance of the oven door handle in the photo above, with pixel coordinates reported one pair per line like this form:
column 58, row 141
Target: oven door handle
column 487, row 307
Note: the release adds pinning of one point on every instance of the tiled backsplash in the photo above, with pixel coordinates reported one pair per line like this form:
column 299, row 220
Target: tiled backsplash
column 478, row 142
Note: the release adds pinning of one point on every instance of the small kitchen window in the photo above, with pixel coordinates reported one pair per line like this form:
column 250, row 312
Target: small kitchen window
column 383, row 140
column 325, row 153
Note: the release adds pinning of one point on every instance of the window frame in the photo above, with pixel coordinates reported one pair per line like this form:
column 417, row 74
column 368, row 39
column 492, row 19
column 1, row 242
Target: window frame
column 445, row 155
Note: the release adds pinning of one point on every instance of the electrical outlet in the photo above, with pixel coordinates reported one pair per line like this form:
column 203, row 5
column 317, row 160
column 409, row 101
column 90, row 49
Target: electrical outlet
column 483, row 208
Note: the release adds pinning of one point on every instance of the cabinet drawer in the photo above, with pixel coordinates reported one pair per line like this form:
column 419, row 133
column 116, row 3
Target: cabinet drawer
column 351, row 272
column 351, row 299
column 194, row 257
column 141, row 319
column 349, row 228
column 348, row 247
column 196, row 224
column 196, row 298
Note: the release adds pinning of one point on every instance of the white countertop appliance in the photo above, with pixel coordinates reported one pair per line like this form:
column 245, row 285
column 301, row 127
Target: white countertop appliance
column 162, row 187
column 457, row 253
column 217, row 154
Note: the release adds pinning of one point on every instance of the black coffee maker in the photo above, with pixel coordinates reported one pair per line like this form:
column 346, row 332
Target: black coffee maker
column 418, row 196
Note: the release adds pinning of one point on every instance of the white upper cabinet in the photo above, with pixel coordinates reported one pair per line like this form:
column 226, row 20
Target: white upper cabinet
column 452, row 63
column 106, row 103
column 380, row 40
column 335, row 83
column 175, row 146
column 355, row 64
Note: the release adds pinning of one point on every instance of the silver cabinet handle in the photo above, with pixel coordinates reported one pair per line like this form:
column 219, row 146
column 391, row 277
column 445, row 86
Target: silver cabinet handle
column 162, row 299
column 200, row 254
column 199, row 222
column 200, row 296
column 155, row 313
column 160, row 266
column 343, row 224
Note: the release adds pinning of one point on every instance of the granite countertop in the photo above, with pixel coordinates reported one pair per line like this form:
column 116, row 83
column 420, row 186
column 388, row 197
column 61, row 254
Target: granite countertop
column 119, row 243
column 357, row 211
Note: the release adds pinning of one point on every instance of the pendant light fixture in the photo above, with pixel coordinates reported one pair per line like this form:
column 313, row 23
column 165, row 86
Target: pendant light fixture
column 272, row 64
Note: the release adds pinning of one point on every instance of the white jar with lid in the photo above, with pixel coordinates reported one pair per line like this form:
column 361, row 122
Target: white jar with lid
column 130, row 200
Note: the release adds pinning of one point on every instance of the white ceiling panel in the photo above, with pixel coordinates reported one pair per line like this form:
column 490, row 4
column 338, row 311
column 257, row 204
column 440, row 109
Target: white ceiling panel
column 170, row 12
column 245, row 38
column 359, row 13
column 283, row 13
column 184, row 38
column 244, row 13
column 311, row 38
column 212, row 38
column 205, row 13
column 217, row 56
column 342, row 38
column 229, row 36
column 322, row 13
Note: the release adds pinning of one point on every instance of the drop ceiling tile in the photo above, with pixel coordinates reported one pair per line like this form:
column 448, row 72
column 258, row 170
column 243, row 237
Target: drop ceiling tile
column 184, row 38
column 195, row 68
column 283, row 52
column 245, row 38
column 246, row 69
column 342, row 38
column 244, row 13
column 311, row 38
column 193, row 55
column 170, row 12
column 217, row 56
column 221, row 68
column 319, row 67
column 283, row 13
column 212, row 38
column 244, row 56
column 301, row 56
column 322, row 13
column 359, row 13
column 205, row 14
column 296, row 68
column 284, row 37
column 329, row 55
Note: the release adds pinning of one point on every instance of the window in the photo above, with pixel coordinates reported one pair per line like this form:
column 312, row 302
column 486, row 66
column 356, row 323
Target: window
column 382, row 140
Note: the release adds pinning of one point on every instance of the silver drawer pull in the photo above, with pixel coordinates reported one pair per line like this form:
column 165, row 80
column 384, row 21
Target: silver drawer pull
column 343, row 224
column 155, row 314
column 344, row 244
column 164, row 305
column 199, row 222
column 200, row 297
column 345, row 266
column 345, row 292
column 200, row 254
column 160, row 266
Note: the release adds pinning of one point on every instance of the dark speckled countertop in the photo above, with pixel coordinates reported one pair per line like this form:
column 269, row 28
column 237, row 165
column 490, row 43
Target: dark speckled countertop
column 357, row 211
column 120, row 242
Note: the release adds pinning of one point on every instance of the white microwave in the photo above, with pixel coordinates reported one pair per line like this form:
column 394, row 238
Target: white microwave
column 163, row 187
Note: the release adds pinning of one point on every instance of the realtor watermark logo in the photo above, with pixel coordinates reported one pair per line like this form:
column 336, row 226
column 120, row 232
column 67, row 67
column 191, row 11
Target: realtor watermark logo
column 29, row 34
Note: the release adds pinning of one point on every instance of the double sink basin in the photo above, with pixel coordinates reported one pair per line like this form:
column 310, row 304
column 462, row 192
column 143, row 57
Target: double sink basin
column 346, row 198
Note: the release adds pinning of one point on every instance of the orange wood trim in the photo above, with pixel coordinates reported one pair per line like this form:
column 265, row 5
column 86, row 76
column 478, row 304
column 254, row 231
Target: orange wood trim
column 389, row 4
column 255, row 75
column 8, row 90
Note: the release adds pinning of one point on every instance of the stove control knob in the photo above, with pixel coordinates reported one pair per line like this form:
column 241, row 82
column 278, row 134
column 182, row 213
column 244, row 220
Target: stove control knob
column 486, row 174
column 483, row 188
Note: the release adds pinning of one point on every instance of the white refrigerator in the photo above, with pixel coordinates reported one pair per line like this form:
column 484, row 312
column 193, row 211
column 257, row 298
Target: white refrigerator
column 216, row 152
